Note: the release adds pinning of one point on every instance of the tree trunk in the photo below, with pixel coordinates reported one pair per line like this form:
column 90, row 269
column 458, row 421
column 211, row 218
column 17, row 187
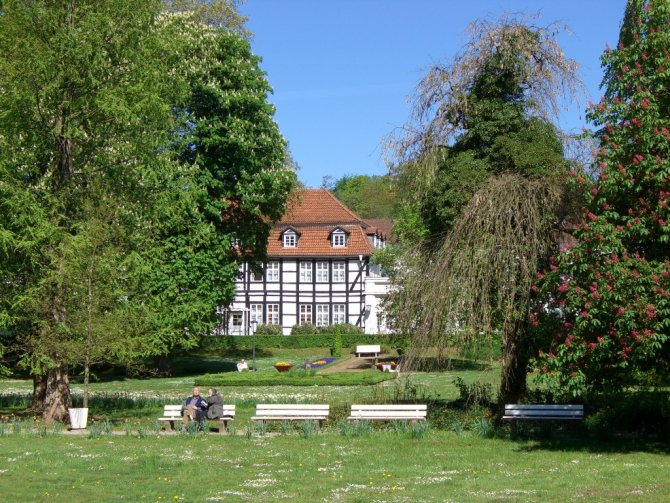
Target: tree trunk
column 163, row 365
column 57, row 399
column 87, row 379
column 39, row 392
column 515, row 365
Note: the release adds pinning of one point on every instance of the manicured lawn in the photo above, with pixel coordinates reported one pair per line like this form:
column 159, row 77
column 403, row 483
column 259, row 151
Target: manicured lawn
column 381, row 466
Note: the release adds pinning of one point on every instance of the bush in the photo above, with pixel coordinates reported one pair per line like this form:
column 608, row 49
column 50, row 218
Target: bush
column 314, row 340
column 268, row 330
column 304, row 329
column 336, row 349
column 298, row 378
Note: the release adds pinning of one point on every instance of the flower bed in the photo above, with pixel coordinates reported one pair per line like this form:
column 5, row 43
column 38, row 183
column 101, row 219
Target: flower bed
column 319, row 362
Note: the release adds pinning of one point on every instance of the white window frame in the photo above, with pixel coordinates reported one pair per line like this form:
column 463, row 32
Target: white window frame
column 339, row 239
column 305, row 314
column 236, row 319
column 272, row 272
column 306, row 269
column 322, row 272
column 322, row 315
column 256, row 313
column 290, row 239
column 339, row 314
column 272, row 314
column 339, row 272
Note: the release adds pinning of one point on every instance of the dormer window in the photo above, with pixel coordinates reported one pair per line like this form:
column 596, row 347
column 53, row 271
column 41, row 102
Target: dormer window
column 289, row 238
column 338, row 238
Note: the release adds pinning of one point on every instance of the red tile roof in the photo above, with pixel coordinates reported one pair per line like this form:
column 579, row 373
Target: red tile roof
column 314, row 214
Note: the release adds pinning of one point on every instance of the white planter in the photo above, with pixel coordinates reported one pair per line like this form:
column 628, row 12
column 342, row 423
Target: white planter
column 78, row 418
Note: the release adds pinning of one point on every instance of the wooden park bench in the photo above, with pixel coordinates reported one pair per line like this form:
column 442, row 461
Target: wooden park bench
column 172, row 413
column 389, row 412
column 540, row 412
column 374, row 349
column 291, row 412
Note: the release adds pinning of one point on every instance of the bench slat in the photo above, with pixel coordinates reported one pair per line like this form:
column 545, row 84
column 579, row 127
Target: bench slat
column 295, row 406
column 544, row 412
column 543, row 407
column 295, row 413
column 385, row 407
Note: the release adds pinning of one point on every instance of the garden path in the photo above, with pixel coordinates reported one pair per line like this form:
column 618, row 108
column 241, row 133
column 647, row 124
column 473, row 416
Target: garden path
column 351, row 364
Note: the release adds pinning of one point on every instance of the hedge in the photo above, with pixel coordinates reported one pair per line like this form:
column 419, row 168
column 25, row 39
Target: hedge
column 227, row 342
column 293, row 379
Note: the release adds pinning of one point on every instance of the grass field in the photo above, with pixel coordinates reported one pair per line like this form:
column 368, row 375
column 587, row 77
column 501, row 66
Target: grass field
column 377, row 467
column 122, row 457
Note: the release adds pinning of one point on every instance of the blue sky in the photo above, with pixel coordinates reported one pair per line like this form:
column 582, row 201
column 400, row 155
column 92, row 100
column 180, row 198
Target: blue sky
column 342, row 70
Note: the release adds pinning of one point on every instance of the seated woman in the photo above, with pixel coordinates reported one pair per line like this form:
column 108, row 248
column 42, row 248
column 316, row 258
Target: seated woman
column 214, row 404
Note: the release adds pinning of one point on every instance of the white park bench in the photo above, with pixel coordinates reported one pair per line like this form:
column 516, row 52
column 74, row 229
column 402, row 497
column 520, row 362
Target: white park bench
column 540, row 412
column 172, row 413
column 368, row 349
column 389, row 412
column 291, row 412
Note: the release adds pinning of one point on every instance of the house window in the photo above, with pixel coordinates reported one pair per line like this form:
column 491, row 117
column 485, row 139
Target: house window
column 256, row 313
column 322, row 272
column 273, row 314
column 236, row 319
column 339, row 239
column 305, row 272
column 339, row 314
column 289, row 239
column 272, row 271
column 338, row 272
column 257, row 275
column 322, row 315
column 305, row 314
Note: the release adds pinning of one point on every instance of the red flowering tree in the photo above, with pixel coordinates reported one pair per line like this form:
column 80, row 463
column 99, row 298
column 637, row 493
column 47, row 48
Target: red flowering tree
column 606, row 301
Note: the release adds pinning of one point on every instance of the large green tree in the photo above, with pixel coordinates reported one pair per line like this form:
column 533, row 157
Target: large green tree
column 367, row 196
column 605, row 301
column 485, row 169
column 117, row 232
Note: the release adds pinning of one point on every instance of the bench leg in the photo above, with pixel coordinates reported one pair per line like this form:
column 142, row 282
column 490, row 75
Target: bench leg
column 169, row 425
column 223, row 426
column 513, row 428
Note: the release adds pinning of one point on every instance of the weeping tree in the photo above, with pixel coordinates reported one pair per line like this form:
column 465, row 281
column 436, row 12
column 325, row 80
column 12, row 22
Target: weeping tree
column 485, row 169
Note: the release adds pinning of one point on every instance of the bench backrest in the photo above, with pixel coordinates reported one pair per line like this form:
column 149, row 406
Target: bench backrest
column 390, row 410
column 369, row 348
column 175, row 411
column 567, row 411
column 292, row 410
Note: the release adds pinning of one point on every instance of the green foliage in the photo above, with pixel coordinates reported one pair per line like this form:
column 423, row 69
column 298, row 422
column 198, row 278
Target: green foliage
column 336, row 348
column 318, row 340
column 292, row 378
column 367, row 196
column 268, row 330
column 135, row 149
column 608, row 295
column 474, row 395
column 304, row 329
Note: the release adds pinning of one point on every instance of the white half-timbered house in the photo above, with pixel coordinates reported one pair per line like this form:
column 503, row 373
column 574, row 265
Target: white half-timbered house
column 318, row 271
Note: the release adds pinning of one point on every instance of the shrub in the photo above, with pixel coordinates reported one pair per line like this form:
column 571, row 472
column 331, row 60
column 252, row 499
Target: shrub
column 336, row 349
column 305, row 329
column 476, row 394
column 312, row 340
column 268, row 330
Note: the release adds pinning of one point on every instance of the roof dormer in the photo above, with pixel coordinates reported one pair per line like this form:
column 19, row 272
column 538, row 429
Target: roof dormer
column 338, row 237
column 289, row 237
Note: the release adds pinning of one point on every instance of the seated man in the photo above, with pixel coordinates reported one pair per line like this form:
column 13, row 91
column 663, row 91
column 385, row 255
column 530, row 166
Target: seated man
column 194, row 407
column 242, row 365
